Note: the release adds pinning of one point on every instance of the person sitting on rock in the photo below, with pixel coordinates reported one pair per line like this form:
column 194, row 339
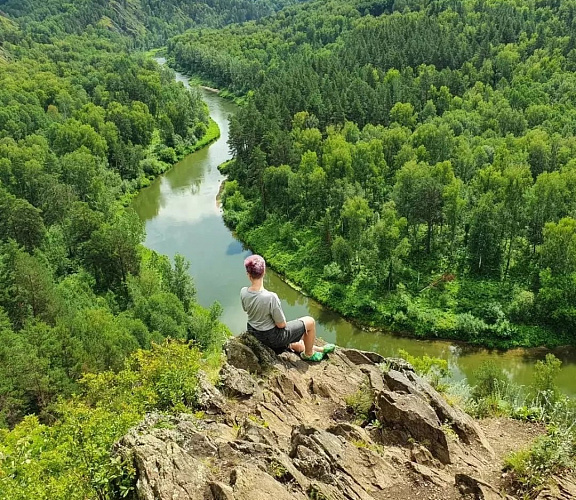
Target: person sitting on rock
column 266, row 320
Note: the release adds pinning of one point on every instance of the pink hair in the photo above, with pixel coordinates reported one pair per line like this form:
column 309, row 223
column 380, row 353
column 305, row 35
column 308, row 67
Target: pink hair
column 255, row 266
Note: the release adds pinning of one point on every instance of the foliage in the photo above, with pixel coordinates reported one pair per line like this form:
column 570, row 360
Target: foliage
column 495, row 395
column 549, row 454
column 84, row 121
column 432, row 182
column 277, row 470
column 545, row 373
column 434, row 369
column 84, row 308
column 314, row 493
column 143, row 22
column 72, row 459
column 489, row 379
column 361, row 403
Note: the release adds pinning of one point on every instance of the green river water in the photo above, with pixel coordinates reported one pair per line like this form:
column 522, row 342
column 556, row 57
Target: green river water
column 182, row 216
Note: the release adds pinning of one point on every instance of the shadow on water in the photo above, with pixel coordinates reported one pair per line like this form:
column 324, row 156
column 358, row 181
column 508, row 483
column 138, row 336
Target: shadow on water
column 235, row 248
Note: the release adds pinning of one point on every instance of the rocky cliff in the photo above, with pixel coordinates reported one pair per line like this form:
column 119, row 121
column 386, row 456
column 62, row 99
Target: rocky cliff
column 281, row 428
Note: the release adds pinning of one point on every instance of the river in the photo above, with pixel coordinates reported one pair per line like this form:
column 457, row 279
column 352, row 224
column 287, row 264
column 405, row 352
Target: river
column 182, row 216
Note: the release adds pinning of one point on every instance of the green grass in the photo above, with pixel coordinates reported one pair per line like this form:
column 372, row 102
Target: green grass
column 361, row 403
column 157, row 52
column 211, row 135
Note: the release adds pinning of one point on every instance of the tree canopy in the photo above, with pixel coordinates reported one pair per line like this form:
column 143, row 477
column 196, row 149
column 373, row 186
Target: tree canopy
column 453, row 122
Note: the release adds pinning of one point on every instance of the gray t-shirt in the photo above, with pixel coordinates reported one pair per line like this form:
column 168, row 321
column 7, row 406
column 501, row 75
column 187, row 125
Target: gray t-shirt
column 263, row 308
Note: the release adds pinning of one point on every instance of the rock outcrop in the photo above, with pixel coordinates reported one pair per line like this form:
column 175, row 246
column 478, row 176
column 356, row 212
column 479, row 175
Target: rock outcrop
column 291, row 435
column 561, row 488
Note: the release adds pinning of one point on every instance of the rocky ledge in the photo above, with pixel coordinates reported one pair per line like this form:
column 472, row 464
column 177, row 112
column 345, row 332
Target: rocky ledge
column 279, row 428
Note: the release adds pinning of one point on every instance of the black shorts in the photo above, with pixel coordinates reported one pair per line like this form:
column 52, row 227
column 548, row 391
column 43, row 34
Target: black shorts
column 279, row 338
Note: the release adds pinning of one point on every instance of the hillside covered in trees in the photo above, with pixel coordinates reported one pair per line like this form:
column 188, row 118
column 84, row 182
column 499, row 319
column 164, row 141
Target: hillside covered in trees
column 84, row 123
column 145, row 23
column 412, row 163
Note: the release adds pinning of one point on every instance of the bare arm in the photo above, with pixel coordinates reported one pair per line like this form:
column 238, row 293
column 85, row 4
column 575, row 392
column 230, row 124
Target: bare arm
column 277, row 313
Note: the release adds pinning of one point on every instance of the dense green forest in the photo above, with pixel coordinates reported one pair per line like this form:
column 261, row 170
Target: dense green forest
column 146, row 23
column 84, row 308
column 411, row 163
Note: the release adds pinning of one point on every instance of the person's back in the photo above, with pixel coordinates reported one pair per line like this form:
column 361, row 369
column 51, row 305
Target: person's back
column 263, row 308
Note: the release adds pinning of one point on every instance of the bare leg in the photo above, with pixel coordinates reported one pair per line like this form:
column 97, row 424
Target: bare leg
column 310, row 335
column 299, row 347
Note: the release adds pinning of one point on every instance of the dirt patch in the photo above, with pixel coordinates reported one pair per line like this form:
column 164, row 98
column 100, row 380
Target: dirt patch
column 507, row 435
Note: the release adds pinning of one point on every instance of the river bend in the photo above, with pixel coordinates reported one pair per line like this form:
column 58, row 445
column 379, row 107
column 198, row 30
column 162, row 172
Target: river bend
column 182, row 216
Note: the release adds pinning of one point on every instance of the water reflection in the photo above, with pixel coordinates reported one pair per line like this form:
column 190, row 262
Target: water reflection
column 187, row 178
column 235, row 247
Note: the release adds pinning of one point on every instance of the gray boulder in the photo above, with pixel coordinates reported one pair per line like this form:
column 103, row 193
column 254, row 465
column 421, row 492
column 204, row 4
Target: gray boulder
column 237, row 382
column 409, row 413
column 208, row 397
column 165, row 470
column 477, row 489
column 248, row 353
column 241, row 356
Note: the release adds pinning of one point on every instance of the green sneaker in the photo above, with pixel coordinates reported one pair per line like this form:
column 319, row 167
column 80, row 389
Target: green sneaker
column 317, row 356
column 328, row 348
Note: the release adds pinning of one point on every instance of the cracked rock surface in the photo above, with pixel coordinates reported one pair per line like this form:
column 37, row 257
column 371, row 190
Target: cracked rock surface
column 279, row 428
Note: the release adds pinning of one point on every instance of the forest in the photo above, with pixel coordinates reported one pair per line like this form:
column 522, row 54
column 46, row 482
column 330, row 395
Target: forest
column 84, row 123
column 409, row 163
column 144, row 23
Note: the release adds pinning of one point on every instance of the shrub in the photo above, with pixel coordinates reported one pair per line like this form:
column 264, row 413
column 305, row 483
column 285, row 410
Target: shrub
column 71, row 460
column 522, row 306
column 490, row 380
column 493, row 313
column 153, row 167
column 548, row 455
column 167, row 155
column 361, row 403
column 200, row 129
column 469, row 327
column 545, row 373
column 333, row 272
column 504, row 329
column 206, row 329
column 163, row 378
column 434, row 369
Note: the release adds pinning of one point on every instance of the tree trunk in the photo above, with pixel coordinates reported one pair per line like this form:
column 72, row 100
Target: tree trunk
column 508, row 258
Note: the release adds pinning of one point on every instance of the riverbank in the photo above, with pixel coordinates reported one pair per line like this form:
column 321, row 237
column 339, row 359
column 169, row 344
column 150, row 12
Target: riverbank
column 212, row 134
column 178, row 153
column 199, row 80
column 291, row 252
column 181, row 216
